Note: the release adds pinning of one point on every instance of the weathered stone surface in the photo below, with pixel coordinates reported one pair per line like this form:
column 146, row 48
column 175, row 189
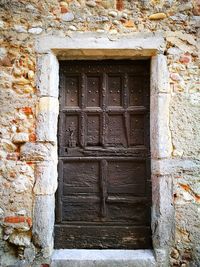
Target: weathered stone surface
column 20, row 28
column 46, row 181
column 20, row 239
column 21, row 184
column 159, row 75
column 36, row 151
column 47, row 76
column 67, row 16
column 108, row 3
column 36, row 30
column 91, row 3
column 43, row 220
column 183, row 36
column 72, row 28
column 187, row 233
column 64, row 7
column 20, row 138
column 3, row 52
column 30, row 253
column 21, row 81
column 7, row 145
column 173, row 166
column 113, row 14
column 184, row 126
column 157, row 16
column 101, row 258
column 162, row 212
column 47, row 116
column 145, row 43
column 161, row 145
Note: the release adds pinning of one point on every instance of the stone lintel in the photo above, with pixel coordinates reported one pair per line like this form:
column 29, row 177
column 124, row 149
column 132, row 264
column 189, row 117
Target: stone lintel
column 81, row 43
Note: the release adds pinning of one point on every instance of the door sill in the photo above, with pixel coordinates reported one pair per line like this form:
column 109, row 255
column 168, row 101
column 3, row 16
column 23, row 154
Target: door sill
column 102, row 258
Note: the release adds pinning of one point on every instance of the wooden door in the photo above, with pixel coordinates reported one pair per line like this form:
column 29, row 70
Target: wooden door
column 104, row 192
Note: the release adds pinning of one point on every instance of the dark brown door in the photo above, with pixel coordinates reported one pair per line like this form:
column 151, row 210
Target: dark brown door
column 104, row 194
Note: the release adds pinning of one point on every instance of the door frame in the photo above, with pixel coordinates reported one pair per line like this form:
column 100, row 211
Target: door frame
column 49, row 49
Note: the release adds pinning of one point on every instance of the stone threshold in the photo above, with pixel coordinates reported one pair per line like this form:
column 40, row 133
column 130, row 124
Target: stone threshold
column 102, row 258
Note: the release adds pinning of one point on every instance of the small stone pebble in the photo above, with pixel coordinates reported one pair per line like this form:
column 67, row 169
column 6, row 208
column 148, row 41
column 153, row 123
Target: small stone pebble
column 157, row 16
column 1, row 24
column 67, row 16
column 35, row 30
column 72, row 28
column 112, row 14
column 124, row 16
column 91, row 3
column 113, row 32
column 100, row 31
column 19, row 28
column 116, row 22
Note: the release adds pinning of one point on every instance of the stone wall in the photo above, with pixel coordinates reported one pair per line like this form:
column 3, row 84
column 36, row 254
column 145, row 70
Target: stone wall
column 21, row 152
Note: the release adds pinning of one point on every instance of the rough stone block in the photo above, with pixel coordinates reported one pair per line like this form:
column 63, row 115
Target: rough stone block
column 20, row 138
column 161, row 146
column 43, row 220
column 46, row 178
column 162, row 211
column 7, row 145
column 22, row 184
column 171, row 166
column 159, row 75
column 47, row 117
column 47, row 76
column 162, row 258
column 38, row 152
column 102, row 258
column 20, row 239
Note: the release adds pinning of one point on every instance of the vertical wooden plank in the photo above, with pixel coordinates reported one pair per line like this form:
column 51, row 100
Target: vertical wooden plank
column 125, row 90
column 104, row 108
column 83, row 105
column 59, row 193
column 60, row 134
column 126, row 114
column 103, row 187
column 60, row 117
column 83, row 89
column 127, row 127
column 61, row 87
column 82, row 134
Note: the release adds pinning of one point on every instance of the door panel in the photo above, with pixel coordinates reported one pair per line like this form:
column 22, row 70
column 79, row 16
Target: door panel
column 104, row 236
column 103, row 197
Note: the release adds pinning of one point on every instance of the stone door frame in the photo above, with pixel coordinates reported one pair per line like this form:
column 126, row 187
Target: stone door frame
column 49, row 49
